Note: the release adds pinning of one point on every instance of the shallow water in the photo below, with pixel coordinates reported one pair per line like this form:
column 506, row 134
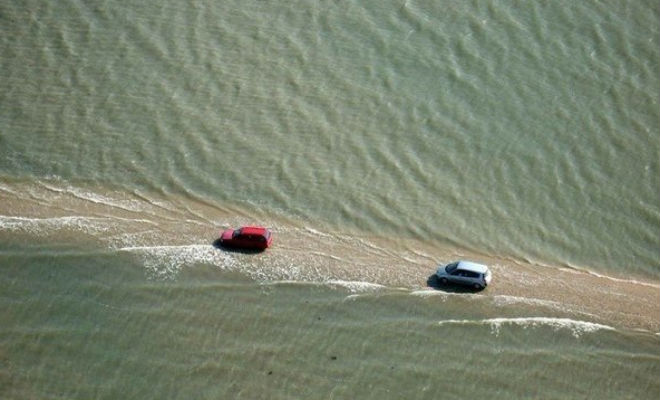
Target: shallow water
column 521, row 131
column 87, row 325
column 376, row 139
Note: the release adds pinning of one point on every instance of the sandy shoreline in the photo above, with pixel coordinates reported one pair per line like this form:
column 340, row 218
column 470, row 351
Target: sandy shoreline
column 631, row 304
column 119, row 220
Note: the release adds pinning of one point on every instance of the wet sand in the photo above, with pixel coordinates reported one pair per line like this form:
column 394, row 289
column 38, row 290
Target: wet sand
column 180, row 232
column 582, row 294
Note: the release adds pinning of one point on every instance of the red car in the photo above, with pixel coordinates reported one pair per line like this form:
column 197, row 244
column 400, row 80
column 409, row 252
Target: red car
column 247, row 237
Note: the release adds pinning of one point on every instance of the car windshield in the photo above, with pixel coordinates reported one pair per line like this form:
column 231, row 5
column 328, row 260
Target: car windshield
column 451, row 267
column 236, row 233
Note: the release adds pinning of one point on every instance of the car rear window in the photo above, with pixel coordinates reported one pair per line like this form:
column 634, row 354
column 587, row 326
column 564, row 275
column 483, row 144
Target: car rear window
column 451, row 267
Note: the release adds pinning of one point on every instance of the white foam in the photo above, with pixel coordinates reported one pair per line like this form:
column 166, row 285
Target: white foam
column 577, row 328
column 7, row 189
column 356, row 286
column 288, row 282
column 127, row 205
column 505, row 300
column 428, row 293
column 433, row 292
column 326, row 255
column 632, row 281
column 101, row 226
column 165, row 262
column 82, row 194
column 48, row 225
column 317, row 233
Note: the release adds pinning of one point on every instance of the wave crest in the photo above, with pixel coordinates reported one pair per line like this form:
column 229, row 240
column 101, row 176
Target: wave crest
column 576, row 327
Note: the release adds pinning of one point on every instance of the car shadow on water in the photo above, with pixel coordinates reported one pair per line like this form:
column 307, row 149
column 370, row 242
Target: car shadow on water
column 218, row 245
column 433, row 282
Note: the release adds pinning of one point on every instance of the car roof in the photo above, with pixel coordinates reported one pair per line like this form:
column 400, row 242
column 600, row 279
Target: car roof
column 472, row 266
column 253, row 230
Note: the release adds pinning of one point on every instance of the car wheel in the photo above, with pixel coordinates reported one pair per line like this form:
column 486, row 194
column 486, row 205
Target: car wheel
column 443, row 281
column 478, row 286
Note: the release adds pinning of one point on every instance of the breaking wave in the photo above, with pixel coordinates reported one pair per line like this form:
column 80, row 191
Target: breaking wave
column 165, row 262
column 355, row 286
column 40, row 226
column 577, row 328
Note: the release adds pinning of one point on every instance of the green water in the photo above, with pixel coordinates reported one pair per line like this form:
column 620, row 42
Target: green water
column 91, row 326
column 524, row 131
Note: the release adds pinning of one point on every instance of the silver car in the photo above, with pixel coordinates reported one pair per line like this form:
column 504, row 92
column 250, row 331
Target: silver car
column 466, row 273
